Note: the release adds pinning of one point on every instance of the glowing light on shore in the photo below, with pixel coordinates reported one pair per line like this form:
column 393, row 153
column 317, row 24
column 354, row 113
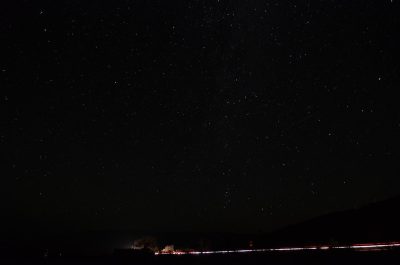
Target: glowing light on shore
column 367, row 246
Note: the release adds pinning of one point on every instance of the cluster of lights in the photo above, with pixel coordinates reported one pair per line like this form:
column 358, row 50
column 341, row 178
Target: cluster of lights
column 371, row 246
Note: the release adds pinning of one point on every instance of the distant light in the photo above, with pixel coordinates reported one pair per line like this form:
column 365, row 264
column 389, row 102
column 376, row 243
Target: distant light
column 367, row 246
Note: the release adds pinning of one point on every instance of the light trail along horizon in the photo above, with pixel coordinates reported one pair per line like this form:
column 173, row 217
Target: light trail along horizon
column 364, row 247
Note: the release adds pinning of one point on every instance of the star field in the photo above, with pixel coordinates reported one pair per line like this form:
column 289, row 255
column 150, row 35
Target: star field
column 200, row 116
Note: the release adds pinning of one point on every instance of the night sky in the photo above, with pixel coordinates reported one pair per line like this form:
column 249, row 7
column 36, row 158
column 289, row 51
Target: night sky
column 226, row 116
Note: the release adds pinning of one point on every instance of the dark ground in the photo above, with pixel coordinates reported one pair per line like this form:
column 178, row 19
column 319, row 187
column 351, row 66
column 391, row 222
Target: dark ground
column 337, row 257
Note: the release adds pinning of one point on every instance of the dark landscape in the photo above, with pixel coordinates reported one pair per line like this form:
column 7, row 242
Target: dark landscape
column 391, row 257
column 374, row 223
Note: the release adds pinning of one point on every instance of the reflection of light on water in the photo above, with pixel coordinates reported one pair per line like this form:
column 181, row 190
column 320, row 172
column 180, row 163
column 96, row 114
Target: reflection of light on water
column 358, row 247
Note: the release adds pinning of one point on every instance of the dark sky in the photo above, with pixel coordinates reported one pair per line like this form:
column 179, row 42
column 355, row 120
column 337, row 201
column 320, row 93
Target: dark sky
column 238, row 116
